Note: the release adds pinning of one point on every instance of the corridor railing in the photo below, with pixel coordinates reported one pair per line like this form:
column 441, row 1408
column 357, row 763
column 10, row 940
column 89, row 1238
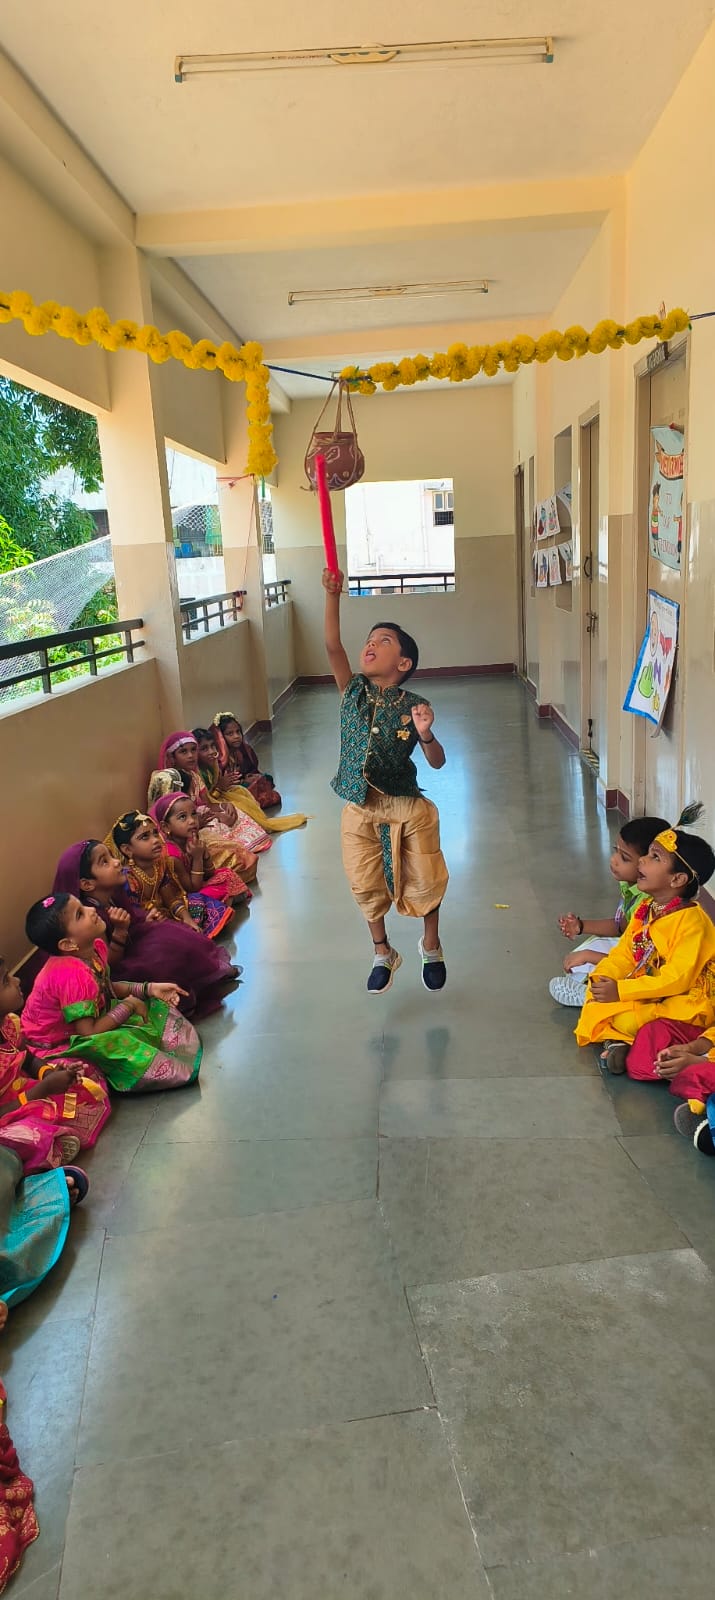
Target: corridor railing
column 50, row 657
column 277, row 593
column 210, row 612
column 401, row 583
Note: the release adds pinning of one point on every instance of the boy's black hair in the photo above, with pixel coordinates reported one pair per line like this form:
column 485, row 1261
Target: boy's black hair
column 641, row 831
column 45, row 922
column 203, row 733
column 692, row 852
column 407, row 644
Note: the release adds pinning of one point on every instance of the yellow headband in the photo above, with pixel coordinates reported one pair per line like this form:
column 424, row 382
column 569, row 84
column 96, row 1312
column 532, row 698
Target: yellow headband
column 669, row 840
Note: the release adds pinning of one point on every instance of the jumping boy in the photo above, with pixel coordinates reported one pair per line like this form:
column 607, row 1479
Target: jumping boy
column 390, row 832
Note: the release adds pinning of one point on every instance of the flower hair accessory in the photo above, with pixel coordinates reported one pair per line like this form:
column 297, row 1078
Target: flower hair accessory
column 49, row 901
column 669, row 841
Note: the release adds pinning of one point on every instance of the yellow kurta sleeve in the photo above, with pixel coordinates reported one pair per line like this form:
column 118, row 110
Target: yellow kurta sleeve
column 683, row 963
column 619, row 961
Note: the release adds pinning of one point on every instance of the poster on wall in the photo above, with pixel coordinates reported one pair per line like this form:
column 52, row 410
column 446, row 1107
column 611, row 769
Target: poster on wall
column 649, row 687
column 566, row 553
column 542, row 570
column 666, row 496
column 554, row 568
column 553, row 526
column 542, row 531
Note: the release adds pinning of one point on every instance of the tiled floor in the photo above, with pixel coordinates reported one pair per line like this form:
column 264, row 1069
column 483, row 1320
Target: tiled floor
column 403, row 1300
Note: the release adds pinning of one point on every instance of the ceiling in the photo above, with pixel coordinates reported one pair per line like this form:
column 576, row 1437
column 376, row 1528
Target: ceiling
column 212, row 142
column 527, row 273
column 265, row 182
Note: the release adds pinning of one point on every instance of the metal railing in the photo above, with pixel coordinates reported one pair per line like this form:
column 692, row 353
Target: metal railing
column 40, row 651
column 210, row 612
column 277, row 593
column 401, row 583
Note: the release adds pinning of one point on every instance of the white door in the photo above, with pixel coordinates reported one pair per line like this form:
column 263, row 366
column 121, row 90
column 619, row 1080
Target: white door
column 590, row 665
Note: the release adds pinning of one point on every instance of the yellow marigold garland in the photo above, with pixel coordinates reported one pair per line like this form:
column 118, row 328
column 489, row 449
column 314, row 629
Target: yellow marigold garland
column 244, row 365
column 463, row 361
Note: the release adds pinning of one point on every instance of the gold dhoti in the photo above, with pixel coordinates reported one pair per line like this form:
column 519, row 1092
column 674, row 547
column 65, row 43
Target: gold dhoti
column 391, row 855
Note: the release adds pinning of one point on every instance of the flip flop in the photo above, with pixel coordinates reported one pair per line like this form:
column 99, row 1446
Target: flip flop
column 81, row 1182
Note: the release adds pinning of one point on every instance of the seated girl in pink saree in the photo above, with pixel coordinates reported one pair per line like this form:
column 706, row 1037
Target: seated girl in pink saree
column 141, row 940
column 48, row 1111
column 175, row 816
column 131, row 1031
column 224, row 826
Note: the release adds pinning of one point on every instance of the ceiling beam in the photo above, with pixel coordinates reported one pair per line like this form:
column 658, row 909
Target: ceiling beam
column 383, row 344
column 197, row 316
column 39, row 146
column 379, row 218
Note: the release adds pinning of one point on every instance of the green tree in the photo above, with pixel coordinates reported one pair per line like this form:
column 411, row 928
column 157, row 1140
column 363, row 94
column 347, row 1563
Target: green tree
column 38, row 436
column 12, row 554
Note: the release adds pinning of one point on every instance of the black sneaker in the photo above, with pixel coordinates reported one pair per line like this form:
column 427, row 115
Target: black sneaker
column 694, row 1125
column 434, row 967
column 383, row 972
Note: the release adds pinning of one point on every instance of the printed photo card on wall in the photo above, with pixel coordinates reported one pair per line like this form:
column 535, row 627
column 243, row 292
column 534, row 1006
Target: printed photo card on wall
column 666, row 496
column 566, row 553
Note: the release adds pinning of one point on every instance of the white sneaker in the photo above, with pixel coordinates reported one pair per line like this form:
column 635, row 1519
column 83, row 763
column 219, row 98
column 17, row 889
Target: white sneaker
column 568, row 991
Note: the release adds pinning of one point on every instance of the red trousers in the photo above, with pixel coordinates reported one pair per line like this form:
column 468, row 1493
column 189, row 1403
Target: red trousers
column 693, row 1083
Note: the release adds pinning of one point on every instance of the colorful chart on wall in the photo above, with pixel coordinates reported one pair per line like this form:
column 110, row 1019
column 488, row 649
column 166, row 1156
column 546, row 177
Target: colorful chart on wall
column 566, row 553
column 542, row 531
column 666, row 496
column 553, row 526
column 542, row 570
column 650, row 685
column 554, row 568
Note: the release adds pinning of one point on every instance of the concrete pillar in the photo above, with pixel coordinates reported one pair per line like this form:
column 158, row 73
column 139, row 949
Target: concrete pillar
column 131, row 439
column 240, row 533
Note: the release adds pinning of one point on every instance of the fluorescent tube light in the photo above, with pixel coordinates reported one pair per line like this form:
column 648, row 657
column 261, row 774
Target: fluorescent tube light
column 440, row 52
column 390, row 291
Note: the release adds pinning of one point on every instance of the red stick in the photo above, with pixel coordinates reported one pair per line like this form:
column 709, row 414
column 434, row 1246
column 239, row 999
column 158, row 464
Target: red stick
column 326, row 515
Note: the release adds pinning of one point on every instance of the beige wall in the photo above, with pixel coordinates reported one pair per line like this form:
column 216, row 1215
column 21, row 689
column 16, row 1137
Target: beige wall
column 42, row 252
column 217, row 675
column 190, row 402
column 279, row 647
column 657, row 247
column 73, row 761
column 465, row 435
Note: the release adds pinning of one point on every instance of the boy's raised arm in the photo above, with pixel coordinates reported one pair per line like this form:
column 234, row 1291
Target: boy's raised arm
column 339, row 664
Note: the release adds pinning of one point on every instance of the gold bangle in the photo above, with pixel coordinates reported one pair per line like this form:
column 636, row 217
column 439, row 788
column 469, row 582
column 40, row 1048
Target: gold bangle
column 44, row 1070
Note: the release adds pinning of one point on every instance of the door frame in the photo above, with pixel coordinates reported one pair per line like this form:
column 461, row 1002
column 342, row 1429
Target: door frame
column 677, row 348
column 520, row 533
column 579, row 556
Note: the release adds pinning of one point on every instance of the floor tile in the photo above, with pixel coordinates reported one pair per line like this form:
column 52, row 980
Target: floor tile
column 172, row 1184
column 653, row 1569
column 451, row 1047
column 496, row 1108
column 272, row 1323
column 364, row 1509
column 43, row 1369
column 44, row 1587
column 459, row 1208
column 573, row 1400
column 295, row 1087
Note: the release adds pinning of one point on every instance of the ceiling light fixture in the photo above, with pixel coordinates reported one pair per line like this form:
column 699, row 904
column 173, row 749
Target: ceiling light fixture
column 435, row 52
column 390, row 291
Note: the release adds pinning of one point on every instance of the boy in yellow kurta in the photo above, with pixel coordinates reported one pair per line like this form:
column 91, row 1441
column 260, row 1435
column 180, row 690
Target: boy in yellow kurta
column 664, row 966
